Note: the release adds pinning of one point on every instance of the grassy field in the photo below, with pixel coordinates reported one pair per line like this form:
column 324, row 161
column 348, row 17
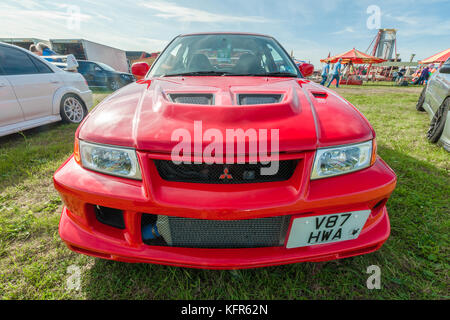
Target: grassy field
column 414, row 261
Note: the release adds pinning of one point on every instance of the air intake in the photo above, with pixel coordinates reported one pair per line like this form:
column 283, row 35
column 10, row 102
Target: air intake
column 249, row 99
column 317, row 94
column 109, row 216
column 192, row 98
column 198, row 233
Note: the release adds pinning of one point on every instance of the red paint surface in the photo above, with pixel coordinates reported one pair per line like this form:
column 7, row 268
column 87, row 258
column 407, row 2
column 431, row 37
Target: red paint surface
column 142, row 117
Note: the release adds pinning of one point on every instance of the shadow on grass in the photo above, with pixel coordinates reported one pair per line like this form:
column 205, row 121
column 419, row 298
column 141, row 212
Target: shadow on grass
column 412, row 261
column 27, row 153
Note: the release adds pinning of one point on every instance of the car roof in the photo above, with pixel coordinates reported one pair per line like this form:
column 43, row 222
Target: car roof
column 232, row 33
column 49, row 64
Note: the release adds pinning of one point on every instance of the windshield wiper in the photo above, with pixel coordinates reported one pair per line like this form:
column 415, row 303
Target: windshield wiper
column 226, row 73
column 197, row 73
column 280, row 74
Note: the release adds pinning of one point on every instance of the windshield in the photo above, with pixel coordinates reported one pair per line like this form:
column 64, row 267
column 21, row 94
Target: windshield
column 105, row 66
column 224, row 54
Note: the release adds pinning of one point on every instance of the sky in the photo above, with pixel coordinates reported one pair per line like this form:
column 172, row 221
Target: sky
column 311, row 29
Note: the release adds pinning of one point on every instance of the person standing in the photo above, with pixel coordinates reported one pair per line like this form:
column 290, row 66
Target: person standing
column 424, row 75
column 44, row 50
column 325, row 71
column 336, row 73
column 400, row 75
column 34, row 49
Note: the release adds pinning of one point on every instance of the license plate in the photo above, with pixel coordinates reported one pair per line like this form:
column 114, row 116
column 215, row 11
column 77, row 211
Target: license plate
column 326, row 228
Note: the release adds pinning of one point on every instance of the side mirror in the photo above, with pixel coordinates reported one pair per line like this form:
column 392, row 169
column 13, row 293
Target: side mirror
column 445, row 69
column 306, row 69
column 139, row 70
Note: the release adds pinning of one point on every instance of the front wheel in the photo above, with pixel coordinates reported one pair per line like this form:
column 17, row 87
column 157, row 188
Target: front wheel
column 114, row 85
column 438, row 122
column 72, row 109
column 419, row 105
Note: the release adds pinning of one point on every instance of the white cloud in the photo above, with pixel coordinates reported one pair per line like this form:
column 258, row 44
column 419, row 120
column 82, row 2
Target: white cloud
column 28, row 4
column 345, row 30
column 410, row 25
column 169, row 10
column 42, row 15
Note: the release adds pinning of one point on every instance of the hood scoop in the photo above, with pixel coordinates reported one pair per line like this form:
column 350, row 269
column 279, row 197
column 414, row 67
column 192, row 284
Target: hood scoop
column 319, row 94
column 192, row 98
column 249, row 99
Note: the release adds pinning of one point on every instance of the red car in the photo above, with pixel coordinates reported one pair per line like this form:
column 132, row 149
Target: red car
column 224, row 160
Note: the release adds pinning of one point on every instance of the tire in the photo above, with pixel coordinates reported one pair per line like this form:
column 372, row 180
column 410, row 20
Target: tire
column 419, row 105
column 72, row 108
column 438, row 122
column 114, row 85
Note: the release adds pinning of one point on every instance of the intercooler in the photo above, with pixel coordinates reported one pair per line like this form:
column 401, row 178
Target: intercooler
column 200, row 233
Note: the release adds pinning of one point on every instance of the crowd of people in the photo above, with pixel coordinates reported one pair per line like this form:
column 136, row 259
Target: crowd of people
column 420, row 77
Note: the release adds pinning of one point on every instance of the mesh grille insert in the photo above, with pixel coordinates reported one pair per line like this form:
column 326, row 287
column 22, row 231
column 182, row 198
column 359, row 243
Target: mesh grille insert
column 199, row 233
column 249, row 99
column 192, row 98
column 224, row 173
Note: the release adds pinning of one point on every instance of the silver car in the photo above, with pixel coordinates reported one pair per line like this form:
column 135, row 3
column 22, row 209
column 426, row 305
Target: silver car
column 435, row 99
column 35, row 92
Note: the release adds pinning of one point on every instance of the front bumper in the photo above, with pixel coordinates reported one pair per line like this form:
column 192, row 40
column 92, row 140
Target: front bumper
column 79, row 188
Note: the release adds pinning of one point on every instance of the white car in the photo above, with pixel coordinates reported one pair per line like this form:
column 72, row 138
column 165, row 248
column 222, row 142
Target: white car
column 34, row 92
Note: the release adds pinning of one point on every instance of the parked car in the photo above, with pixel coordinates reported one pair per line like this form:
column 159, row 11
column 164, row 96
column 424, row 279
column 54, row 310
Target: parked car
column 87, row 50
column 34, row 92
column 101, row 75
column 175, row 169
column 435, row 99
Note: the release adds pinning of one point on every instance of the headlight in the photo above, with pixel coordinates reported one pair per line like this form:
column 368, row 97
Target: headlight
column 116, row 161
column 343, row 159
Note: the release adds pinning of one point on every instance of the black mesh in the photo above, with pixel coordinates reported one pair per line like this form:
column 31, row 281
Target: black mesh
column 199, row 233
column 248, row 99
column 189, row 98
column 223, row 173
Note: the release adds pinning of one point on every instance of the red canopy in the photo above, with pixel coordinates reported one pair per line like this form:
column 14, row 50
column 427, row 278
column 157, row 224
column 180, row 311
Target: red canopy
column 355, row 56
column 437, row 58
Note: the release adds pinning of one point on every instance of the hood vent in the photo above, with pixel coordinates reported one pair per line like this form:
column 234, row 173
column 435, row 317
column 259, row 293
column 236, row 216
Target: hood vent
column 192, row 98
column 318, row 94
column 248, row 99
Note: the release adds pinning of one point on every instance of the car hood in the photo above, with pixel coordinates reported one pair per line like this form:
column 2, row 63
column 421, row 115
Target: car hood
column 143, row 115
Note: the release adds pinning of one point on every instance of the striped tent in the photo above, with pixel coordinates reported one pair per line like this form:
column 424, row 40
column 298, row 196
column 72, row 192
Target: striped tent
column 437, row 58
column 355, row 56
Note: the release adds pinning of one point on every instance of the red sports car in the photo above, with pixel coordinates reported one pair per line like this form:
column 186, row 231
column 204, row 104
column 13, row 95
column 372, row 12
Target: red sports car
column 223, row 156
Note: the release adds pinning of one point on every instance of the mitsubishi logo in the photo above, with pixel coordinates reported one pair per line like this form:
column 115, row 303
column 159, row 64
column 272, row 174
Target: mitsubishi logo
column 225, row 175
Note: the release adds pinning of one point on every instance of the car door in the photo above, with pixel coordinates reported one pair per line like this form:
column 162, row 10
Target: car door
column 10, row 110
column 33, row 82
column 100, row 75
column 87, row 70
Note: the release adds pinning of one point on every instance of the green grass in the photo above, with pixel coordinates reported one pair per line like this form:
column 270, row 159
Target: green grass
column 414, row 261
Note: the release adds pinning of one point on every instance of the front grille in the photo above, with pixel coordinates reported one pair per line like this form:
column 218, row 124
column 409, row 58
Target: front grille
column 223, row 173
column 199, row 233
